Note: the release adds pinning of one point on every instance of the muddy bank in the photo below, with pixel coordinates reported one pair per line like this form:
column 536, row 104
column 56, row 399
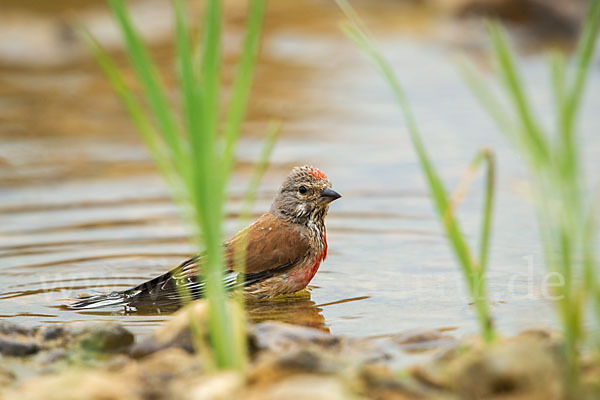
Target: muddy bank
column 103, row 361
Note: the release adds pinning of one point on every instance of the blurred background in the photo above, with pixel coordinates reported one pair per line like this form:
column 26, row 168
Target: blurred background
column 82, row 208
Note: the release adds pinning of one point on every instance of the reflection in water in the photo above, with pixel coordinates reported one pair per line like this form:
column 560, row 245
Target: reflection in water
column 297, row 308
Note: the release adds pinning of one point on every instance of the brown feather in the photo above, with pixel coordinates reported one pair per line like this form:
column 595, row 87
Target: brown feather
column 272, row 243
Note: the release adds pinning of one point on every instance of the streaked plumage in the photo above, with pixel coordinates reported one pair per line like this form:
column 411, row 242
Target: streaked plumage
column 285, row 248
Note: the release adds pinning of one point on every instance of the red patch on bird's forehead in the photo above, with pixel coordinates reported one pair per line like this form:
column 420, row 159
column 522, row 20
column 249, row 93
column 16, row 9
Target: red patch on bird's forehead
column 316, row 173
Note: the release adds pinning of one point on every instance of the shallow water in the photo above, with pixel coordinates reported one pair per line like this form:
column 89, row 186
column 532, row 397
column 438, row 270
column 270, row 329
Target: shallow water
column 83, row 210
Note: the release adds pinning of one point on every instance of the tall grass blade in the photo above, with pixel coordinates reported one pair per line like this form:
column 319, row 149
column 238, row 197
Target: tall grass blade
column 191, row 157
column 152, row 87
column 584, row 55
column 211, row 66
column 471, row 270
column 243, row 82
column 567, row 232
column 135, row 110
column 533, row 137
column 488, row 205
column 488, row 100
column 248, row 201
column 189, row 86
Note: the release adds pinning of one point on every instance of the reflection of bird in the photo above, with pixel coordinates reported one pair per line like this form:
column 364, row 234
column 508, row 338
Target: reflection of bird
column 285, row 247
column 297, row 309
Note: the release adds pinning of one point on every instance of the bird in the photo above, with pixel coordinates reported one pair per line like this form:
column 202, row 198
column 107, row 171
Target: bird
column 283, row 250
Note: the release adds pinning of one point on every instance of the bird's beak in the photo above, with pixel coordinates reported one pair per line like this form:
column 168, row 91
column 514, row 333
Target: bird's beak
column 328, row 195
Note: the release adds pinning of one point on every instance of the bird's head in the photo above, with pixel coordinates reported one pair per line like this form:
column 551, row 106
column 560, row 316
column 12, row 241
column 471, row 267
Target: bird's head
column 304, row 196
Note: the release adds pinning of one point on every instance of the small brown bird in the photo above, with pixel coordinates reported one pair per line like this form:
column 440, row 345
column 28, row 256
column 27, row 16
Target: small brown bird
column 285, row 248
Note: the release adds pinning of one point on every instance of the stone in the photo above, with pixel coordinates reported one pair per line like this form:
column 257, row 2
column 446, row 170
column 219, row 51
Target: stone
column 179, row 330
column 525, row 366
column 174, row 333
column 17, row 347
column 107, row 337
column 278, row 336
column 52, row 332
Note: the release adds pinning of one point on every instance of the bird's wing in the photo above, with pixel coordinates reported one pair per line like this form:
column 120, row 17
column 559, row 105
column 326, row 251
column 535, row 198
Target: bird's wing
column 270, row 244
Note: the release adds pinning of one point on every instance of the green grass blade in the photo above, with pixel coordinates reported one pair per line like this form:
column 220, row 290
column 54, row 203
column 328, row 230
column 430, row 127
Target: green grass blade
column 248, row 202
column 258, row 171
column 585, row 52
column 534, row 137
column 572, row 100
column 488, row 100
column 473, row 275
column 194, row 161
column 189, row 86
column 488, row 204
column 149, row 79
column 436, row 186
column 211, row 66
column 558, row 72
column 557, row 66
column 243, row 82
column 589, row 259
column 134, row 109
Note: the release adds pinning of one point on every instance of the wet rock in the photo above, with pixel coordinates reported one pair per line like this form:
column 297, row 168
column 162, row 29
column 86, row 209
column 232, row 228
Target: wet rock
column 51, row 356
column 53, row 340
column 52, row 332
column 163, row 375
column 6, row 328
column 417, row 342
column 16, row 341
column 278, row 336
column 177, row 332
column 272, row 366
column 526, row 366
column 378, row 381
column 105, row 338
column 281, row 338
column 17, row 348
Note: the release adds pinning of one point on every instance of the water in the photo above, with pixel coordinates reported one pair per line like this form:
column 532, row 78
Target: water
column 83, row 210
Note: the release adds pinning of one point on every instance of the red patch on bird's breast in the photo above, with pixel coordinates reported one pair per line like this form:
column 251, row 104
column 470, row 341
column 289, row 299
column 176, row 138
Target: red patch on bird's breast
column 317, row 173
column 305, row 275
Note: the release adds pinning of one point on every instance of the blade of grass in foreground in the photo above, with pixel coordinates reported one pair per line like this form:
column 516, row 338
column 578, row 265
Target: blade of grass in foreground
column 250, row 196
column 148, row 77
column 239, row 256
column 193, row 157
column 473, row 271
column 242, row 84
column 566, row 229
column 135, row 110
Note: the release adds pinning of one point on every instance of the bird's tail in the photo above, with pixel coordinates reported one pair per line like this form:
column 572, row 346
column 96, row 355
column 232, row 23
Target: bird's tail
column 100, row 300
column 161, row 291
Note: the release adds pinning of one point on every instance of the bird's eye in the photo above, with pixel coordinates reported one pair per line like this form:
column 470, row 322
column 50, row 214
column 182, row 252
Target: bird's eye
column 302, row 189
